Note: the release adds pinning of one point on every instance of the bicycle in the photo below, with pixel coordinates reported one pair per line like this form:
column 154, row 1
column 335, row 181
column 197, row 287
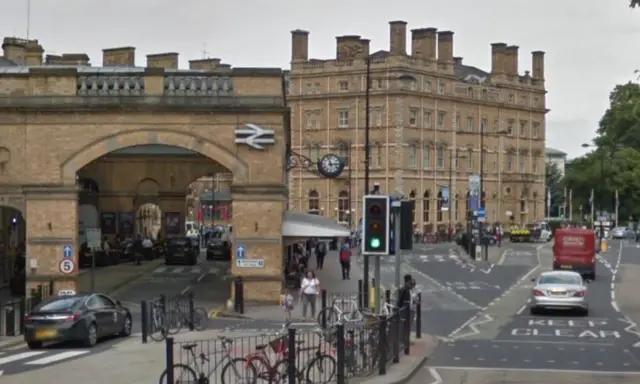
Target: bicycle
column 185, row 373
column 159, row 329
column 178, row 318
column 262, row 362
column 336, row 314
column 305, row 374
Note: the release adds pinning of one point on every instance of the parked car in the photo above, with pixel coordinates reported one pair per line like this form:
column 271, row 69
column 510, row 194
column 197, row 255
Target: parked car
column 559, row 290
column 84, row 318
column 180, row 250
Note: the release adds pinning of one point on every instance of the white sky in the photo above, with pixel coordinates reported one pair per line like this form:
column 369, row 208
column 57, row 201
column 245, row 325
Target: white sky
column 591, row 45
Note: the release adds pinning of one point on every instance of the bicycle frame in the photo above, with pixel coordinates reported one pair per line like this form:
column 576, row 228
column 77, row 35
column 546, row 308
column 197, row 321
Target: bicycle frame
column 200, row 371
column 352, row 306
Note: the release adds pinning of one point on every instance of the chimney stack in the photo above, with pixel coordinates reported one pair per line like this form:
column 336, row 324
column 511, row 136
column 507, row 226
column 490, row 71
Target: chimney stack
column 119, row 57
column 365, row 48
column 457, row 60
column 347, row 47
column 512, row 60
column 445, row 46
column 497, row 58
column 15, row 49
column 81, row 59
column 167, row 60
column 33, row 53
column 537, row 65
column 398, row 38
column 423, row 43
column 299, row 45
column 205, row 64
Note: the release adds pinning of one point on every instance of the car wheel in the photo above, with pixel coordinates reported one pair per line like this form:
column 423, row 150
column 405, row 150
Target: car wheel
column 533, row 311
column 126, row 327
column 34, row 345
column 585, row 312
column 92, row 336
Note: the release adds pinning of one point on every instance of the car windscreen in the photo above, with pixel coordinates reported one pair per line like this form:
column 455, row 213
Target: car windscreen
column 59, row 305
column 559, row 279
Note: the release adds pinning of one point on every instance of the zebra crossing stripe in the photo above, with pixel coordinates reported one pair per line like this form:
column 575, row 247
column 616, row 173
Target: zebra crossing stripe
column 177, row 270
column 160, row 270
column 195, row 270
column 57, row 357
column 19, row 356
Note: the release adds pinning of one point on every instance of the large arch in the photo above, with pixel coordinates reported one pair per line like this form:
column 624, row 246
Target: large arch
column 150, row 136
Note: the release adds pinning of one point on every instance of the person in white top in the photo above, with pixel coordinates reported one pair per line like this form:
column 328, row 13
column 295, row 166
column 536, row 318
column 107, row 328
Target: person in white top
column 309, row 290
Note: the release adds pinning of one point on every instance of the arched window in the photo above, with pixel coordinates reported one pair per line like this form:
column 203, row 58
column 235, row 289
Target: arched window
column 535, row 205
column 523, row 202
column 426, row 207
column 344, row 210
column 439, row 212
column 314, row 203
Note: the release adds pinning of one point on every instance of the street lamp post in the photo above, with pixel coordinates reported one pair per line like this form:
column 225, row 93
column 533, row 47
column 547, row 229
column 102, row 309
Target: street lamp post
column 458, row 156
column 481, row 195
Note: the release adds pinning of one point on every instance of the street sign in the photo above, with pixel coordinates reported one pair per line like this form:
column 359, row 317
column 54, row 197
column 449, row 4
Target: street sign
column 94, row 237
column 250, row 263
column 240, row 252
column 67, row 251
column 66, row 292
column 482, row 212
column 67, row 266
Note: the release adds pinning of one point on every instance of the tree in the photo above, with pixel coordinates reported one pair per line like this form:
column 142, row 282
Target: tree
column 634, row 3
column 555, row 187
column 620, row 124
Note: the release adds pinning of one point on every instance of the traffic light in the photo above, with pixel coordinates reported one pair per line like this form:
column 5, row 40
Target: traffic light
column 375, row 237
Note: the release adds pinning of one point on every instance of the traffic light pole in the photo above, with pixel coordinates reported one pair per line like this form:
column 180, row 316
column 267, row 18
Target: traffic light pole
column 396, row 245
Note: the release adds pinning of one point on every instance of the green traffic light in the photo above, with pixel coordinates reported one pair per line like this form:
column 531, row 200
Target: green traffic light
column 375, row 242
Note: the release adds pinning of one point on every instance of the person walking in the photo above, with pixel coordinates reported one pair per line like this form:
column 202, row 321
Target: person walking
column 321, row 252
column 309, row 290
column 345, row 261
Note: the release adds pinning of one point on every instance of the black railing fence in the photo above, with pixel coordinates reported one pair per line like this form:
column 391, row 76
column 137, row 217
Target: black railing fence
column 13, row 311
column 162, row 316
column 332, row 353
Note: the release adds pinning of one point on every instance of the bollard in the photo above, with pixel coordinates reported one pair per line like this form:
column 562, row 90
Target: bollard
column 340, row 352
column 144, row 320
column 192, row 312
column 291, row 356
column 365, row 293
column 387, row 296
column 406, row 336
column 360, row 294
column 169, row 359
column 419, row 316
column 382, row 343
column 323, row 298
column 238, row 303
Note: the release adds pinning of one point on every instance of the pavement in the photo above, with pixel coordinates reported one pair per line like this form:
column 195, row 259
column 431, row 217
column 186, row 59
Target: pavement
column 503, row 343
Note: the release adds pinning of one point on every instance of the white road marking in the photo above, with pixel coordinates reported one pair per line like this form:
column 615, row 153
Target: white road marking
column 57, row 357
column 19, row 356
column 160, row 270
column 472, row 325
column 598, row 373
column 503, row 256
column 195, row 270
column 614, row 272
column 185, row 290
column 437, row 379
column 201, row 277
column 177, row 270
column 632, row 329
column 552, row 342
column 521, row 309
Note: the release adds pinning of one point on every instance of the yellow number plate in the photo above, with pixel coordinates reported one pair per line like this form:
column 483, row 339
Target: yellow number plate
column 44, row 334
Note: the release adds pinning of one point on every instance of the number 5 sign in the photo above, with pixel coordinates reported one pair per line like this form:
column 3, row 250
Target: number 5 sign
column 67, row 266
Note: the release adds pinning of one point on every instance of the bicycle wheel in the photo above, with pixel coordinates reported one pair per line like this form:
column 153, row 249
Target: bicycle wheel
column 237, row 371
column 332, row 316
column 200, row 319
column 280, row 372
column 321, row 370
column 174, row 322
column 157, row 330
column 263, row 368
column 181, row 374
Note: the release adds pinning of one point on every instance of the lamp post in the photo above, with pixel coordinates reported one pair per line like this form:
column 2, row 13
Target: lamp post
column 451, row 190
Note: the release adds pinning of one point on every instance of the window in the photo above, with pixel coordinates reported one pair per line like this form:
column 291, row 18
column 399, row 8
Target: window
column 470, row 123
column 534, row 164
column 343, row 207
column 483, row 124
column 343, row 119
column 440, row 158
column 413, row 117
column 510, row 124
column 426, row 205
column 313, row 120
column 441, row 87
column 456, row 207
column 343, row 85
column 427, row 86
column 470, row 92
column 314, row 202
column 458, row 122
column 441, row 117
column 523, row 128
column 375, row 117
column 535, row 102
column 378, row 155
column 523, row 100
column 510, row 161
column 413, row 85
column 470, row 159
column 376, row 84
column 521, row 162
column 496, row 125
column 440, row 205
column 316, row 88
column 485, row 94
column 512, row 98
column 426, row 157
column 413, row 156
column 309, row 88
column 428, row 117
column 343, row 150
column 535, row 127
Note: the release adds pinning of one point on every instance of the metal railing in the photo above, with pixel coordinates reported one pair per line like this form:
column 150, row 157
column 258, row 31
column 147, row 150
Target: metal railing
column 13, row 311
column 162, row 316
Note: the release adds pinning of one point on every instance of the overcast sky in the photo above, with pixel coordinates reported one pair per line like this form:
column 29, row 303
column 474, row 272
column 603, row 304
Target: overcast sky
column 591, row 45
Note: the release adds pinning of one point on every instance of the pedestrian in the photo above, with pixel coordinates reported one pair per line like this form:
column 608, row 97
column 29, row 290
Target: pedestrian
column 287, row 304
column 345, row 261
column 309, row 290
column 321, row 252
column 404, row 293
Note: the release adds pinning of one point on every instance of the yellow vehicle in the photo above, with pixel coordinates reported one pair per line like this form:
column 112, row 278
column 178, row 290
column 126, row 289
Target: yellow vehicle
column 520, row 235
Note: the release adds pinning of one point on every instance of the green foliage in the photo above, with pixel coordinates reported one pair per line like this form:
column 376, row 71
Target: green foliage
column 634, row 3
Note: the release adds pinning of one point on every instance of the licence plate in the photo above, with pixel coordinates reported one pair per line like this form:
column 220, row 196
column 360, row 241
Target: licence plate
column 43, row 334
column 557, row 293
column 565, row 266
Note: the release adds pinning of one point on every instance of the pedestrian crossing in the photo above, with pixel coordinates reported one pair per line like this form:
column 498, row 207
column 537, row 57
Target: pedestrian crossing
column 190, row 270
column 20, row 360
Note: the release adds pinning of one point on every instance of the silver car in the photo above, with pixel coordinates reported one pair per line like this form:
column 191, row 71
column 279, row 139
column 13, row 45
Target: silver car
column 559, row 290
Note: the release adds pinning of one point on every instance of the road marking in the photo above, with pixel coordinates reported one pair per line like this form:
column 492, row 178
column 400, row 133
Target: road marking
column 553, row 342
column 437, row 379
column 584, row 372
column 632, row 329
column 521, row 309
column 503, row 256
column 614, row 272
column 178, row 270
column 56, row 357
column 20, row 356
column 201, row 277
column 472, row 325
column 195, row 270
column 185, row 290
column 160, row 270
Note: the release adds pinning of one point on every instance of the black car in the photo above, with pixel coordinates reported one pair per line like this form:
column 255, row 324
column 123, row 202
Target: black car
column 84, row 318
column 180, row 250
column 218, row 248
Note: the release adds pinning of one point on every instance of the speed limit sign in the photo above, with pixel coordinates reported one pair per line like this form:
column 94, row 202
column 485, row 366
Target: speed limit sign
column 67, row 266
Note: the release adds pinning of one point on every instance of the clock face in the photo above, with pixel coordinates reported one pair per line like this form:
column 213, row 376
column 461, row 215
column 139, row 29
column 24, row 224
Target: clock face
column 330, row 166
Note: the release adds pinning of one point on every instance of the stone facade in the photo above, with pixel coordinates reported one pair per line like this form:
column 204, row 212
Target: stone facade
column 63, row 124
column 427, row 108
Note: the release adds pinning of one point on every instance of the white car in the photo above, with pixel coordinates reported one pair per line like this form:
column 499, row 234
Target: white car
column 559, row 290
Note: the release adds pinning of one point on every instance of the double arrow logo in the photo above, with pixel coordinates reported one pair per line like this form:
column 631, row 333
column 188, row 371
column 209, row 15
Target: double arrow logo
column 255, row 136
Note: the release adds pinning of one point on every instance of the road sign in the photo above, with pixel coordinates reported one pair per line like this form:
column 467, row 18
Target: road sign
column 67, row 251
column 250, row 263
column 67, row 266
column 94, row 237
column 482, row 212
column 240, row 252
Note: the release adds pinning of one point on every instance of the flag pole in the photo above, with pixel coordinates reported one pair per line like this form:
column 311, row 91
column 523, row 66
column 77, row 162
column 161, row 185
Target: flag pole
column 570, row 204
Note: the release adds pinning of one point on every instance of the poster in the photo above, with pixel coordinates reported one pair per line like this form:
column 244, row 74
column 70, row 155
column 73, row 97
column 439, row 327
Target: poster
column 125, row 224
column 444, row 198
column 172, row 223
column 108, row 223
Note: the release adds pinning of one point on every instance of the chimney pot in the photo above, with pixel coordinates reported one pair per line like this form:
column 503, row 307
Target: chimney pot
column 445, row 46
column 497, row 58
column 398, row 38
column 167, row 60
column 299, row 45
column 537, row 65
column 457, row 60
column 511, row 53
column 119, row 57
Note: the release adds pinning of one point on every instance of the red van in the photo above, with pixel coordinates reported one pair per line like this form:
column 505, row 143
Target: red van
column 574, row 249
